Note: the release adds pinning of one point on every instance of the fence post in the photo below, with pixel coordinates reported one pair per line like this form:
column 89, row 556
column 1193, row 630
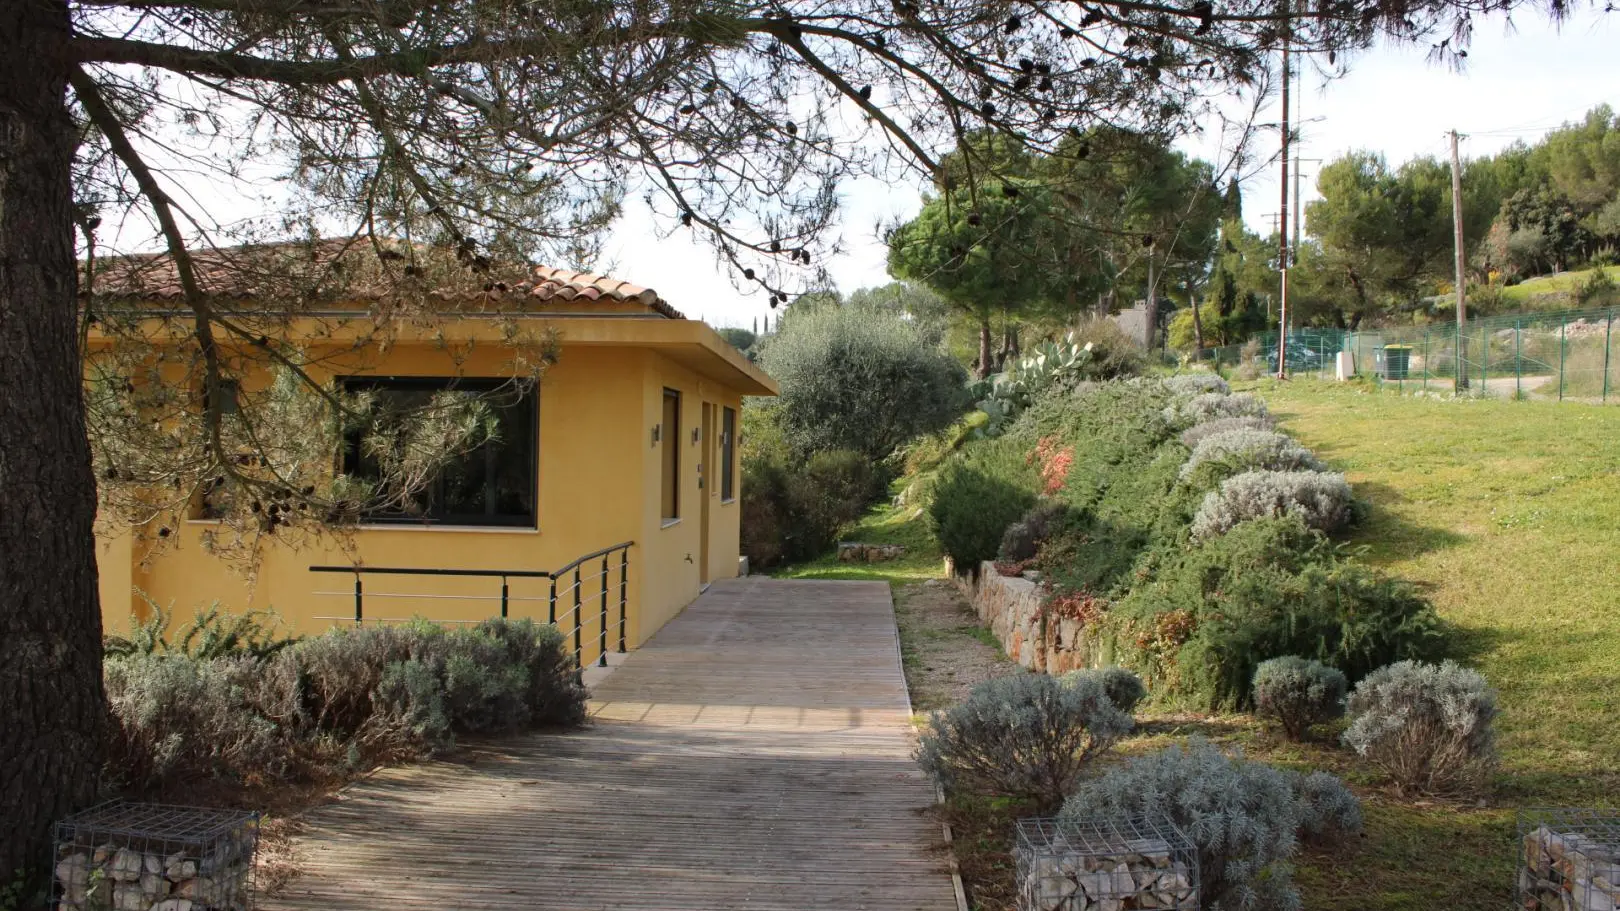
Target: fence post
column 624, row 591
column 359, row 601
column 506, row 595
column 579, row 649
column 601, row 638
column 1426, row 333
column 1563, row 335
column 1459, row 373
column 1518, row 358
column 1608, row 333
column 1484, row 359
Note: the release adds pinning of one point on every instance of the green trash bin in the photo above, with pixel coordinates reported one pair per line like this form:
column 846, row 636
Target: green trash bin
column 1397, row 361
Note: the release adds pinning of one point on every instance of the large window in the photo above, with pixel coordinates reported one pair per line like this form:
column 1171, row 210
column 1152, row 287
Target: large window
column 492, row 482
column 670, row 455
column 728, row 454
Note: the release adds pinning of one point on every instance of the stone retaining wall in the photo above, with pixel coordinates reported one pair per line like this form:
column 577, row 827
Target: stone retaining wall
column 1013, row 608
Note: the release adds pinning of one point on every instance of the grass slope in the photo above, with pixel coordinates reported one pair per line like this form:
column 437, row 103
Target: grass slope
column 1551, row 291
column 1505, row 512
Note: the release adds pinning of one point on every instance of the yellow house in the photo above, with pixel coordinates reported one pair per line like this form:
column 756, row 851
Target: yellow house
column 624, row 453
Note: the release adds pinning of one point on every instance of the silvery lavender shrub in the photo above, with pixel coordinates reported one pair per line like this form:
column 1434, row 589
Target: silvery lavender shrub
column 1321, row 498
column 1328, row 813
column 1428, row 726
column 1246, row 449
column 1194, row 435
column 1197, row 383
column 1124, row 688
column 1027, row 736
column 1244, row 818
column 1210, row 406
column 1298, row 693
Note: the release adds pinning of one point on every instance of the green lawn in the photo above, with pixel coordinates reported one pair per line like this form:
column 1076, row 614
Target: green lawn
column 1507, row 514
column 1525, row 293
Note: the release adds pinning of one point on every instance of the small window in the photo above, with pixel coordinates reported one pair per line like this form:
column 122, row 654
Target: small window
column 728, row 454
column 493, row 483
column 670, row 456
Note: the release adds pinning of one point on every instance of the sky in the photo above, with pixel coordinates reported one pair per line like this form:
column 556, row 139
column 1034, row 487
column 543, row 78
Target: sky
column 1520, row 82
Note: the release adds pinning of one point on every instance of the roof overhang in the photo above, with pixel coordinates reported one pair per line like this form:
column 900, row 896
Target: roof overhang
column 689, row 343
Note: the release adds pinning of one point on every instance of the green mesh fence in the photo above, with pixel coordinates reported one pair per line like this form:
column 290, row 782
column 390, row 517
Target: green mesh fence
column 1564, row 356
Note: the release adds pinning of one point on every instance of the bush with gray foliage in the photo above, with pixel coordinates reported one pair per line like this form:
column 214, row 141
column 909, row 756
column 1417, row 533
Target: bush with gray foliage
column 1210, row 406
column 1026, row 736
column 1197, row 384
column 1124, row 688
column 1321, row 498
column 1329, row 814
column 1250, row 450
column 1197, row 433
column 1427, row 726
column 1298, row 693
column 1245, row 818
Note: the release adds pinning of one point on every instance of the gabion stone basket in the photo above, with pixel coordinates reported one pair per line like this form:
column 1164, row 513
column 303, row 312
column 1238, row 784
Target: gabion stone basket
column 1105, row 864
column 1569, row 860
column 124, row 856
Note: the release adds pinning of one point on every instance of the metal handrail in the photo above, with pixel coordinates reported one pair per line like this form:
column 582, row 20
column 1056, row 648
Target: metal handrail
column 506, row 598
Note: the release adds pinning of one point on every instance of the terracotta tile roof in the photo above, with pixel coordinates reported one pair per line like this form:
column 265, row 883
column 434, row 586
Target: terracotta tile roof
column 342, row 271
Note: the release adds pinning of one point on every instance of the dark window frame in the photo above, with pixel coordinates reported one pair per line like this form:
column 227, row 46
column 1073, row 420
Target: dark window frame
column 728, row 454
column 489, row 519
column 671, row 440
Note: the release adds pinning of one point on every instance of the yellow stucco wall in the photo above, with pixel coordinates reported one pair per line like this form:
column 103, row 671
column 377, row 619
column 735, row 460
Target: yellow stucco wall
column 599, row 484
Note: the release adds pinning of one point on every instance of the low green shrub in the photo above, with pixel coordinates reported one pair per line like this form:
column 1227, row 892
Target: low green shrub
column 1427, row 726
column 1124, row 688
column 1212, row 611
column 973, row 504
column 1196, row 434
column 372, row 691
column 1298, row 693
column 1243, row 817
column 793, row 514
column 1026, row 736
column 1321, row 498
column 1023, row 538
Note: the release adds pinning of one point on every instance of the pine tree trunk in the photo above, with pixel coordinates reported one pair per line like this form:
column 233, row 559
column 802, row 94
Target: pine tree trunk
column 984, row 347
column 52, row 708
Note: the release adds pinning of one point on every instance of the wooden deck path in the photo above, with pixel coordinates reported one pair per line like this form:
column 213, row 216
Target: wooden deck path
column 754, row 755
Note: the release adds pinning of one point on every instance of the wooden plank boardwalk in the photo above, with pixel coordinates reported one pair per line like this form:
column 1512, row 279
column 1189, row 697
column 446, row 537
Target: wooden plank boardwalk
column 755, row 754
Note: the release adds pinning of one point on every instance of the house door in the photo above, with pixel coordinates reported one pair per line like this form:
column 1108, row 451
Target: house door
column 705, row 483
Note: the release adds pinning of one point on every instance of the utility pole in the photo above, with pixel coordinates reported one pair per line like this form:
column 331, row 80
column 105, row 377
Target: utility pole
column 1282, row 221
column 1457, row 240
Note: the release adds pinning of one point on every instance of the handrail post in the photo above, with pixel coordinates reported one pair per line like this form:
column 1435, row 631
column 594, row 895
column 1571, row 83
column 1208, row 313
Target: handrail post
column 506, row 594
column 579, row 650
column 359, row 601
column 551, row 603
column 624, row 586
column 601, row 637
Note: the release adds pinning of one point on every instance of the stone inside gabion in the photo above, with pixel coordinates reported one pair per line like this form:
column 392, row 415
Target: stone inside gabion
column 1569, row 871
column 122, row 870
column 1139, row 873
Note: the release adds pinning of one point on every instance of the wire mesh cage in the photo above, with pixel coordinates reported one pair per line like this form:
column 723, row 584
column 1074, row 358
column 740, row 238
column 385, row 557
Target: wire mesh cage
column 125, row 856
column 1105, row 864
column 1569, row 860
